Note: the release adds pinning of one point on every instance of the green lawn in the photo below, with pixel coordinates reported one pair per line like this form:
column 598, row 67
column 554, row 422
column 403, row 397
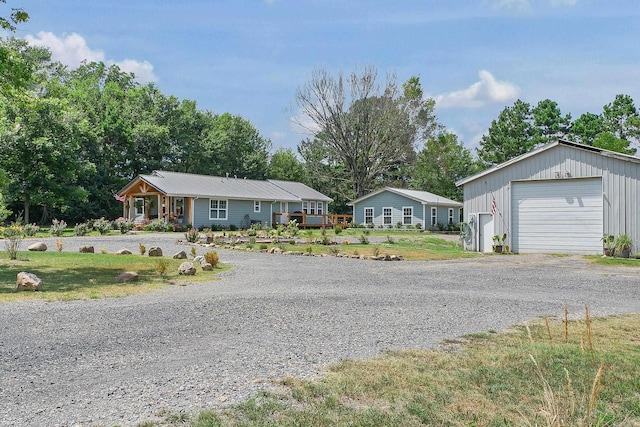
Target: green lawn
column 530, row 376
column 68, row 275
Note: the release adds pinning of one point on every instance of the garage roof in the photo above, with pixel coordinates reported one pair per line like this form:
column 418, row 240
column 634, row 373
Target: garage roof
column 545, row 147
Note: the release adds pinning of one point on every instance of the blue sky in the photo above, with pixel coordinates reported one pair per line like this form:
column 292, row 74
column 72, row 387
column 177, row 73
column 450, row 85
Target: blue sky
column 248, row 57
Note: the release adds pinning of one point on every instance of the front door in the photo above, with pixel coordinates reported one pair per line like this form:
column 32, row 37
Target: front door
column 178, row 209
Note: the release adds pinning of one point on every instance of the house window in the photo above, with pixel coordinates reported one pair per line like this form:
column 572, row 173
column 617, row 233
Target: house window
column 217, row 209
column 407, row 216
column 256, row 206
column 320, row 208
column 450, row 216
column 387, row 216
column 305, row 207
column 434, row 216
column 312, row 209
column 368, row 215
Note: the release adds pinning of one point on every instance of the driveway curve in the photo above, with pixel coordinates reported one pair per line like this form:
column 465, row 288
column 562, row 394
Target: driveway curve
column 123, row 361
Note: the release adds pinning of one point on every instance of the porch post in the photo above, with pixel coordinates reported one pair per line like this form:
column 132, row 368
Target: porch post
column 159, row 205
column 131, row 216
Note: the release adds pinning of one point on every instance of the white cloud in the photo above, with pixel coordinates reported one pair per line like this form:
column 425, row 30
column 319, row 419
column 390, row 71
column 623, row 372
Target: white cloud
column 526, row 6
column 487, row 90
column 72, row 50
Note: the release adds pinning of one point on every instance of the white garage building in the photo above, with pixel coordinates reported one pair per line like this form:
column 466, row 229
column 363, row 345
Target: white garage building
column 559, row 198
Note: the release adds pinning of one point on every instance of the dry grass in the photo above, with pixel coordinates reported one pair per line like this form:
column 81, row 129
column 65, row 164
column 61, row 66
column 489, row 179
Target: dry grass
column 537, row 374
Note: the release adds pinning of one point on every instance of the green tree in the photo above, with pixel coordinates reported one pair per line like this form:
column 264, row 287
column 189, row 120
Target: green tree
column 440, row 164
column 587, row 127
column 233, row 146
column 549, row 122
column 17, row 16
column 285, row 165
column 509, row 136
column 39, row 145
column 608, row 141
column 371, row 132
column 620, row 118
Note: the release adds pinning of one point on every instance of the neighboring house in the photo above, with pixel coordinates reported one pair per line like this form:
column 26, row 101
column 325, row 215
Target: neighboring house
column 559, row 198
column 390, row 206
column 203, row 201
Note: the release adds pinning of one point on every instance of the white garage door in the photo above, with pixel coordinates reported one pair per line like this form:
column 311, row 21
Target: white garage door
column 557, row 216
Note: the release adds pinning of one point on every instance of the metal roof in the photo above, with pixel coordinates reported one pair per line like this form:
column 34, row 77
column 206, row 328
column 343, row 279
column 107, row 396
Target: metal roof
column 545, row 147
column 423, row 197
column 301, row 190
column 192, row 185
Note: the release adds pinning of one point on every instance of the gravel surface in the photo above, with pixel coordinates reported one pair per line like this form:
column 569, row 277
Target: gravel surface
column 186, row 348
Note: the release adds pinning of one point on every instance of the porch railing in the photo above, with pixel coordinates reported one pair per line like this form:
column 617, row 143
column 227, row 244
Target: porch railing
column 305, row 220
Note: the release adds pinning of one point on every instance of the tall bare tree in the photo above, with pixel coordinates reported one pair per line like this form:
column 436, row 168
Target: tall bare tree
column 373, row 130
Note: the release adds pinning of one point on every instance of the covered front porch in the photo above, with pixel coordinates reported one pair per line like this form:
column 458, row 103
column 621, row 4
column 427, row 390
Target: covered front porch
column 143, row 203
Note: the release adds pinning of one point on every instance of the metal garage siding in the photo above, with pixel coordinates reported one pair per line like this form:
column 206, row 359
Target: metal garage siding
column 557, row 216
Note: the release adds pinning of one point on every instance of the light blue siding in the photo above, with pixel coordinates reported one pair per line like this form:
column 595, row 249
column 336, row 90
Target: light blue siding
column 397, row 202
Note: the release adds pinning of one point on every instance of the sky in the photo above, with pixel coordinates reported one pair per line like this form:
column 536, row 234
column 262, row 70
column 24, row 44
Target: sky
column 248, row 57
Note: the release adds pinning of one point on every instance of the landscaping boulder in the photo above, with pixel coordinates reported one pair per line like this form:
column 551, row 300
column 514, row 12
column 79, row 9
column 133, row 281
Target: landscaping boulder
column 155, row 251
column 187, row 269
column 38, row 247
column 28, row 282
column 123, row 251
column 87, row 249
column 206, row 266
column 180, row 255
column 127, row 276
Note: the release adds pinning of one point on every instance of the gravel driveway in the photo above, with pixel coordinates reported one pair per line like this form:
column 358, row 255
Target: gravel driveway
column 122, row 361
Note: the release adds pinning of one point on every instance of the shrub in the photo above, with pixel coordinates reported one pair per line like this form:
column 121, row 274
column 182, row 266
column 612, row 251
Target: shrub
column 252, row 232
column 102, row 226
column 13, row 235
column 390, row 240
column 363, row 239
column 337, row 229
column 59, row 245
column 162, row 265
column 376, row 250
column 170, row 228
column 233, row 227
column 418, row 226
column 142, row 248
column 30, row 229
column 158, row 224
column 124, row 225
column 263, row 247
column 212, row 258
column 292, row 228
column 326, row 241
column 193, row 251
column 399, row 224
column 81, row 229
column 371, row 225
column 309, row 249
column 57, row 227
column 192, row 235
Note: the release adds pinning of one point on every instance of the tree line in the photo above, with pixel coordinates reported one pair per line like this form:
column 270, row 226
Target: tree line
column 69, row 139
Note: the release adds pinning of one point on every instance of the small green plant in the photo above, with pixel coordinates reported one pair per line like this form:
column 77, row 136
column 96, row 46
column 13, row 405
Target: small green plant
column 102, row 226
column 399, row 224
column 252, row 240
column 309, row 235
column 337, row 229
column 142, row 248
column 292, row 228
column 161, row 266
column 323, row 231
column 212, row 258
column 81, row 229
column 623, row 244
column 418, row 226
column 376, row 250
column 57, row 227
column 193, row 251
column 13, row 236
column 334, row 250
column 309, row 249
column 30, row 229
column 363, row 239
column 59, row 245
column 192, row 235
column 103, row 250
column 390, row 240
column 264, row 247
column 158, row 224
